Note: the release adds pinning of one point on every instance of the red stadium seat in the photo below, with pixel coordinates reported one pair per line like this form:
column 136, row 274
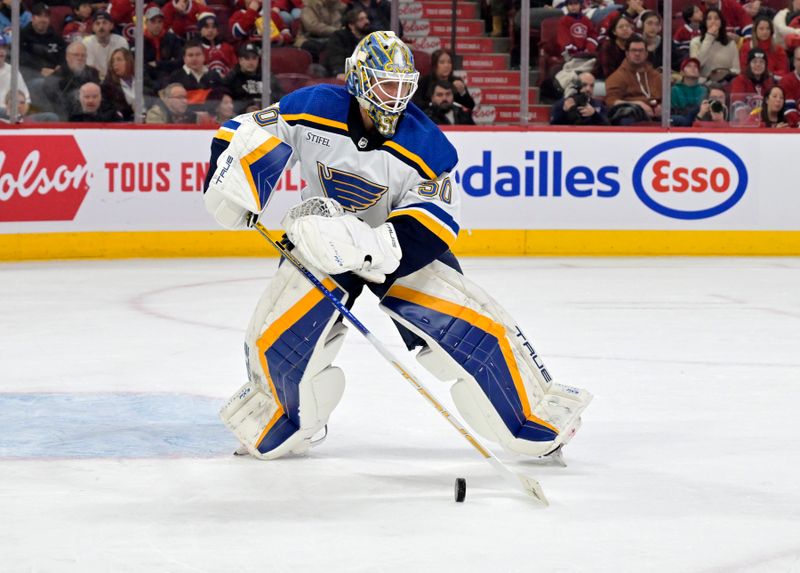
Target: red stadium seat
column 291, row 82
column 57, row 16
column 422, row 60
column 317, row 81
column 550, row 58
column 289, row 60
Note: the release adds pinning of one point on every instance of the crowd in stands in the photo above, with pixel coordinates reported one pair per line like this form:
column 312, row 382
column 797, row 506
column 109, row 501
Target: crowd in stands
column 202, row 61
column 733, row 64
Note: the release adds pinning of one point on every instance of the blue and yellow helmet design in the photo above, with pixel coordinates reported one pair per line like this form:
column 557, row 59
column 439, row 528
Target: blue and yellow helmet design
column 381, row 75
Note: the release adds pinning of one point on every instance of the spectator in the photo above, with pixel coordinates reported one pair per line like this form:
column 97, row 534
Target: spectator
column 194, row 75
column 41, row 49
column 738, row 22
column 248, row 25
column 719, row 58
column 5, row 20
column 220, row 57
column 651, row 33
column 612, row 49
column 443, row 110
column 576, row 34
column 772, row 112
column 499, row 12
column 180, row 16
column 61, row 88
column 442, row 69
column 688, row 94
column 579, row 107
column 790, row 84
column 118, row 87
column 632, row 11
column 379, row 13
column 633, row 92
column 78, row 25
column 220, row 106
column 343, row 42
column 101, row 44
column 5, row 75
column 714, row 109
column 244, row 82
column 173, row 107
column 749, row 88
column 319, row 19
column 787, row 26
column 23, row 110
column 162, row 49
column 92, row 108
column 692, row 16
column 777, row 62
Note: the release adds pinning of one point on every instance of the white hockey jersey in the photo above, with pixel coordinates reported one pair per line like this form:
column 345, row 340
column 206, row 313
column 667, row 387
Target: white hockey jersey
column 404, row 179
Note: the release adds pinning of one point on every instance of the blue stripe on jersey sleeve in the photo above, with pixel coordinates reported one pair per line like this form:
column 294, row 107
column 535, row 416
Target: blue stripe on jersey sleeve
column 324, row 100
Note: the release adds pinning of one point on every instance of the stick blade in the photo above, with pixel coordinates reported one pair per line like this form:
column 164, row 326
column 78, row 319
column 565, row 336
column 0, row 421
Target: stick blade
column 533, row 489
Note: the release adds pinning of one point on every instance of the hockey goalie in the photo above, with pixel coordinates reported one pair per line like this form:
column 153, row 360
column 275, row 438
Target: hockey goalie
column 379, row 211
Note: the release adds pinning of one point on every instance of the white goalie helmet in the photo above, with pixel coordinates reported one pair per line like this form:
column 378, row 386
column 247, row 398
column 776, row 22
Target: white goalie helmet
column 381, row 75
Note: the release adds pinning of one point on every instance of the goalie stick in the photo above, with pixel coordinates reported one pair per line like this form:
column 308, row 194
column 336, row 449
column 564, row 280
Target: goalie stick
column 520, row 481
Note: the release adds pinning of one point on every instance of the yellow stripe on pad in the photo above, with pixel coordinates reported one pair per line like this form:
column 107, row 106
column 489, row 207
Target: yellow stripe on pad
column 482, row 322
column 436, row 227
column 275, row 330
column 251, row 158
column 315, row 119
column 416, row 159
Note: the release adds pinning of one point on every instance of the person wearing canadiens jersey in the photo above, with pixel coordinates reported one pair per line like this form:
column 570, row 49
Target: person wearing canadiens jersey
column 380, row 210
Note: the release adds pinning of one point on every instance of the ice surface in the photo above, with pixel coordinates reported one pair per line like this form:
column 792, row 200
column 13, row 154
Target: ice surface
column 688, row 460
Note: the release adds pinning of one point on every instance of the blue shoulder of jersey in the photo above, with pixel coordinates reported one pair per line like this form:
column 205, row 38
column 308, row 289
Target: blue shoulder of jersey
column 323, row 106
column 420, row 143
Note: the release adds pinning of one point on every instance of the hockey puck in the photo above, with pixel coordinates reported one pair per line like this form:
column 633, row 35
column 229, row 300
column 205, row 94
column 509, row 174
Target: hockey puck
column 461, row 489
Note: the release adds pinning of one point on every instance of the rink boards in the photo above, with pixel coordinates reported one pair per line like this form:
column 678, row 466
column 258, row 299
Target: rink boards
column 138, row 193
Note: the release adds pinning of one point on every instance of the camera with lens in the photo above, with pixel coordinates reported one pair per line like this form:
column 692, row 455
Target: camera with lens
column 716, row 106
column 580, row 98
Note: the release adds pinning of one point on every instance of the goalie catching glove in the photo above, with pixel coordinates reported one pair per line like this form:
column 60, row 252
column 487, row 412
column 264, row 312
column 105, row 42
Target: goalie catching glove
column 336, row 242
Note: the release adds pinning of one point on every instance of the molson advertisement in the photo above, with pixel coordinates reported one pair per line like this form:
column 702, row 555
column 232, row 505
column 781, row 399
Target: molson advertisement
column 152, row 180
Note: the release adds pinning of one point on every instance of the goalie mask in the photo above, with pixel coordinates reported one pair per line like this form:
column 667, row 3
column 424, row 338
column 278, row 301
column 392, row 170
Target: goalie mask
column 381, row 75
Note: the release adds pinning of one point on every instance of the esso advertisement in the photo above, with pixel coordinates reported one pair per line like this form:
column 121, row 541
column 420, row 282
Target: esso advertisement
column 39, row 185
column 690, row 178
column 58, row 180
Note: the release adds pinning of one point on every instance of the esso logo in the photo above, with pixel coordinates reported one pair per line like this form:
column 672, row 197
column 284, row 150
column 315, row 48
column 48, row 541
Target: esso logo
column 42, row 178
column 690, row 178
column 476, row 94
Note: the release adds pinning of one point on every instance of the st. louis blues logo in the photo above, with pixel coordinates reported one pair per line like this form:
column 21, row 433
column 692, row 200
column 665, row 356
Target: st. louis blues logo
column 353, row 193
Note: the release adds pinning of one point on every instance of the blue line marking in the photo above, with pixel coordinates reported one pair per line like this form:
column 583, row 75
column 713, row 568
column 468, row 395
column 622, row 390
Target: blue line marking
column 112, row 426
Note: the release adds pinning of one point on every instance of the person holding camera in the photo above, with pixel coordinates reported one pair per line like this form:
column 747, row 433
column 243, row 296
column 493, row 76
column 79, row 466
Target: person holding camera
column 713, row 110
column 579, row 107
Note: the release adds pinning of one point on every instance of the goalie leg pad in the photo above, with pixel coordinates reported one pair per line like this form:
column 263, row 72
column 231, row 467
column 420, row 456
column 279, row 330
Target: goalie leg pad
column 503, row 389
column 291, row 342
